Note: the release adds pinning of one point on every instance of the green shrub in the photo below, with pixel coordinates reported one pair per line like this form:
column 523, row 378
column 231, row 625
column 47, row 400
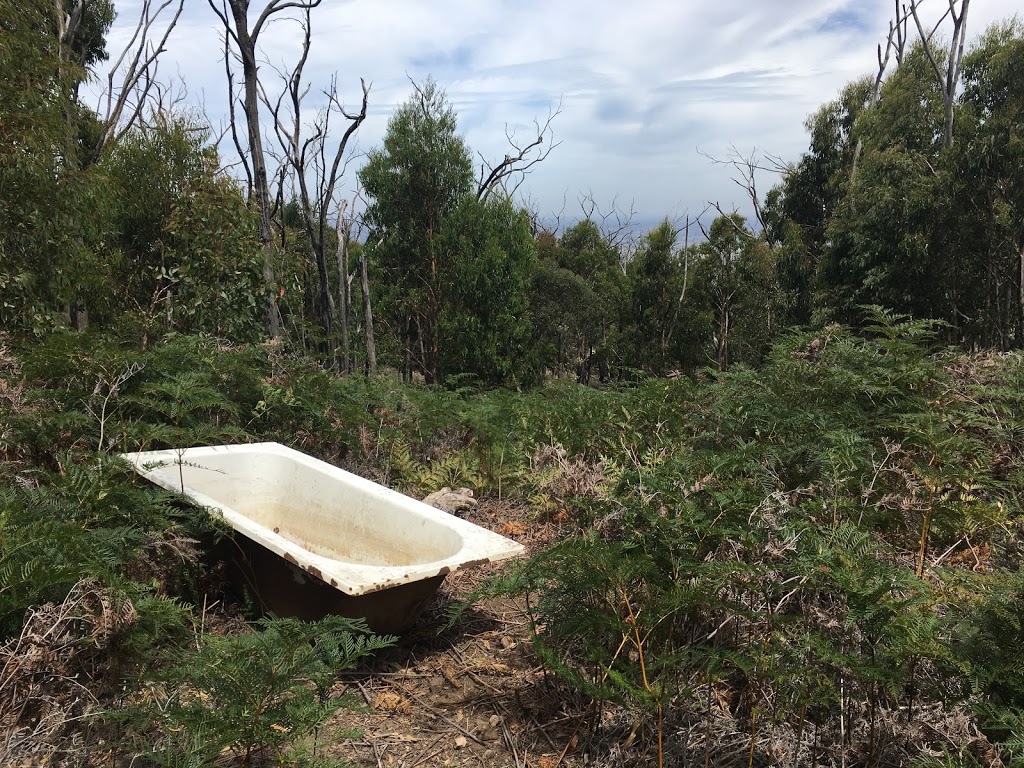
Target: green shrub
column 85, row 521
column 786, row 544
column 256, row 694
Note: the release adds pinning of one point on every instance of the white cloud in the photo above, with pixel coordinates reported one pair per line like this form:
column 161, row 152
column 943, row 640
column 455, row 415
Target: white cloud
column 642, row 84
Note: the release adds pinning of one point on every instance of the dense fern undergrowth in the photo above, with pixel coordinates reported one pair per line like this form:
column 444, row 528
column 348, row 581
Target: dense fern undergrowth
column 812, row 563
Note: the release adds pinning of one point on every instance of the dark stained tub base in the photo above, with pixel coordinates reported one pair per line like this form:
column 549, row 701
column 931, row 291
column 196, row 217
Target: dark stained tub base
column 284, row 589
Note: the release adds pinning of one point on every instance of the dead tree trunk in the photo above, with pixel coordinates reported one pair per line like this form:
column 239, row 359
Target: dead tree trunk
column 949, row 77
column 371, row 343
column 724, row 328
column 343, row 288
column 895, row 43
column 234, row 16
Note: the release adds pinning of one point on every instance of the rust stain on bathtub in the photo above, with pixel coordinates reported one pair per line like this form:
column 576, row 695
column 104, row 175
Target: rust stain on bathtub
column 473, row 563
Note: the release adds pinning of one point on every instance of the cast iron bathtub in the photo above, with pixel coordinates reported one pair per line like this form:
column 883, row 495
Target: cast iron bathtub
column 316, row 539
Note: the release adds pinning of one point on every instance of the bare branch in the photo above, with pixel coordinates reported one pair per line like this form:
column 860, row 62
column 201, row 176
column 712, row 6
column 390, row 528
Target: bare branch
column 926, row 39
column 729, row 217
column 223, row 14
column 615, row 224
column 747, row 168
column 949, row 78
column 518, row 163
column 232, row 117
column 279, row 5
column 136, row 66
column 355, row 120
column 167, row 101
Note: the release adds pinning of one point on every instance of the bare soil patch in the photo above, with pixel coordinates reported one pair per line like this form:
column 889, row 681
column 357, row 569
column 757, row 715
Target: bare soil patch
column 474, row 693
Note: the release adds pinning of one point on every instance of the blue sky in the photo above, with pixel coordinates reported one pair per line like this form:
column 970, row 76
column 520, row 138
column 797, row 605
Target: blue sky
column 646, row 87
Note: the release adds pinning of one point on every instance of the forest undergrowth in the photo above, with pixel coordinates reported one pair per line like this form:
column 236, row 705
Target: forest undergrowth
column 812, row 563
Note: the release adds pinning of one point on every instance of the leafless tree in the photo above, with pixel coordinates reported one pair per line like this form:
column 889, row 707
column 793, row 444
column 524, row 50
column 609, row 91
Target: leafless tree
column 540, row 223
column 746, row 168
column 241, row 40
column 509, row 173
column 948, row 74
column 314, row 171
column 132, row 80
column 895, row 45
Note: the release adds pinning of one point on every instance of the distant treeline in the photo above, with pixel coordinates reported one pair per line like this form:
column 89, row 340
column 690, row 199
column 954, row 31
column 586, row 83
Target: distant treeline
column 898, row 202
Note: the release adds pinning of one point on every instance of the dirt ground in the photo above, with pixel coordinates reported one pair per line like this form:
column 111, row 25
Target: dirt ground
column 473, row 694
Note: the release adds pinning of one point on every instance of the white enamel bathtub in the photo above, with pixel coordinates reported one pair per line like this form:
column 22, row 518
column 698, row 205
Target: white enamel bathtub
column 348, row 532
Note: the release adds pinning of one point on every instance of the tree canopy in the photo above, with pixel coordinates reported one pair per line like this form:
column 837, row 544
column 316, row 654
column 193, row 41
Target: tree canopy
column 455, row 268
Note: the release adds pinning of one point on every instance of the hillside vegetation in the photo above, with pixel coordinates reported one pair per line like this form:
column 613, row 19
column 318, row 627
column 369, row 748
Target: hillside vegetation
column 771, row 477
column 811, row 560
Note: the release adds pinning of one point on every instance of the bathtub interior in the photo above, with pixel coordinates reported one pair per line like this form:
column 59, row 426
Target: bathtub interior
column 309, row 507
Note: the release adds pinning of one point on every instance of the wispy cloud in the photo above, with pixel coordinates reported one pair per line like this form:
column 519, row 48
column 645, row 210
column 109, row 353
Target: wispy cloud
column 642, row 84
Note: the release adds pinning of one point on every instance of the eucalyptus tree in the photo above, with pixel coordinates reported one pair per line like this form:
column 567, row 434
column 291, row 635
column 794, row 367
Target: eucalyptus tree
column 925, row 227
column 488, row 254
column 650, row 318
column 799, row 210
column 560, row 304
column 453, row 260
column 34, row 137
column 591, row 257
column 50, row 207
column 415, row 181
column 987, row 183
column 735, row 286
column 182, row 248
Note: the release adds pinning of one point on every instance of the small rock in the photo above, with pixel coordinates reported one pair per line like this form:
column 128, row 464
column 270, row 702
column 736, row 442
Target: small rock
column 452, row 502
